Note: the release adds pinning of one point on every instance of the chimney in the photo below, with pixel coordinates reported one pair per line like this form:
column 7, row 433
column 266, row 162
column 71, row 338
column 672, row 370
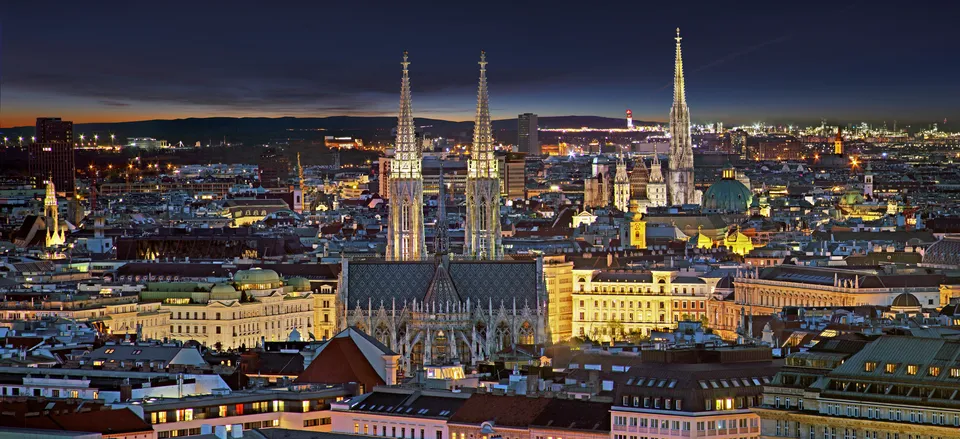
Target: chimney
column 220, row 431
column 237, row 431
column 390, row 369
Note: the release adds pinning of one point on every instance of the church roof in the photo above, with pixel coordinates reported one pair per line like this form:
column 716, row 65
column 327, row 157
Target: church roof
column 441, row 288
column 384, row 281
column 728, row 196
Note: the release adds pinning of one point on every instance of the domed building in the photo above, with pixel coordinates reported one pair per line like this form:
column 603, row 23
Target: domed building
column 728, row 194
column 906, row 303
column 224, row 292
column 257, row 279
column 299, row 285
column 945, row 253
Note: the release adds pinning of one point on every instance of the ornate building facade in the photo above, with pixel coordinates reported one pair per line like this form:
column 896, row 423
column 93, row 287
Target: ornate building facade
column 621, row 186
column 445, row 311
column 405, row 238
column 609, row 304
column 482, row 231
column 681, row 148
column 656, row 187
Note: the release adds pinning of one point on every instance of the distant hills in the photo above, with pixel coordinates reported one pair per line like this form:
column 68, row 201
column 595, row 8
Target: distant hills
column 263, row 129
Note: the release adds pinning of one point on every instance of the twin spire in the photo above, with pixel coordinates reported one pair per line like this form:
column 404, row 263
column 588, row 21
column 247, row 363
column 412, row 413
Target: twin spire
column 483, row 164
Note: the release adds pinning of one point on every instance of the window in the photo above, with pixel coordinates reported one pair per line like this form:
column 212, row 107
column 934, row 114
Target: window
column 356, row 428
column 912, row 369
column 222, row 411
column 870, row 366
column 934, row 371
column 890, row 368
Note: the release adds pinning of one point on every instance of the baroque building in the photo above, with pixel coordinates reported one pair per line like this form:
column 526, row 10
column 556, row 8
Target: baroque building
column 482, row 234
column 405, row 238
column 681, row 148
column 610, row 304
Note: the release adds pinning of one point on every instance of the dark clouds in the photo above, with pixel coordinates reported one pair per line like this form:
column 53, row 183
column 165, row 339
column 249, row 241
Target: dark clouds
column 744, row 60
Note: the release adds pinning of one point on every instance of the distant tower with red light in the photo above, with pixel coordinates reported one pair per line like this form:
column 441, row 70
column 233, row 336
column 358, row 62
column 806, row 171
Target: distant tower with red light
column 629, row 119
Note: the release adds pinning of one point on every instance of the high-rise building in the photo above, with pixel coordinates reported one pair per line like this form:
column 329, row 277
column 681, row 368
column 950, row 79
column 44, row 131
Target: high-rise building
column 482, row 231
column 50, row 157
column 528, row 140
column 405, row 236
column 273, row 168
column 53, row 129
column 513, row 175
column 681, row 148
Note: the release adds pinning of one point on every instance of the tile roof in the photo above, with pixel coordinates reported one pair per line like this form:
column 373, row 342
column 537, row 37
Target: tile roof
column 504, row 411
column 341, row 361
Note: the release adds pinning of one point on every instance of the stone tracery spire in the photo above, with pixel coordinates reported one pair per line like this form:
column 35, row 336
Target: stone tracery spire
column 405, row 234
column 681, row 189
column 482, row 237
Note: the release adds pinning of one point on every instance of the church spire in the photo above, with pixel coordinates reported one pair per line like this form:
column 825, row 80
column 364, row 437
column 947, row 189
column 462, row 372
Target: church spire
column 405, row 230
column 441, row 244
column 482, row 231
column 408, row 155
column 680, row 183
column 482, row 162
column 678, row 88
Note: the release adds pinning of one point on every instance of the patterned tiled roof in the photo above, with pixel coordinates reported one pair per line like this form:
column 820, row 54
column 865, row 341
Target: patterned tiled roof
column 475, row 280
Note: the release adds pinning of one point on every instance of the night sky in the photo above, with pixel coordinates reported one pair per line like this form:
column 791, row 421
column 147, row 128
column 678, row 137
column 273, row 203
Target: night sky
column 745, row 61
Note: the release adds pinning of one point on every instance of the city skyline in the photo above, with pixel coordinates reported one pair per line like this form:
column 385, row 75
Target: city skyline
column 742, row 66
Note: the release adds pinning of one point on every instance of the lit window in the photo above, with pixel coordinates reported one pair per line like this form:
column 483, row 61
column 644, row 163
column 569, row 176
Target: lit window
column 870, row 366
column 955, row 372
column 890, row 368
column 934, row 371
column 912, row 369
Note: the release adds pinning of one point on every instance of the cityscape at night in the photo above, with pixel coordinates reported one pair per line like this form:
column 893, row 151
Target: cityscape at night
column 515, row 221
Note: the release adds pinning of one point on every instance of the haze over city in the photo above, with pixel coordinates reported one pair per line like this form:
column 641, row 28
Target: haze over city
column 776, row 62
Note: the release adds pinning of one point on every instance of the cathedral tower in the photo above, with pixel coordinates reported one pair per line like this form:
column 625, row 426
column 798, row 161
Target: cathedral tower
column 656, row 188
column 51, row 217
column 441, row 237
column 405, row 236
column 482, row 237
column 621, row 186
column 681, row 149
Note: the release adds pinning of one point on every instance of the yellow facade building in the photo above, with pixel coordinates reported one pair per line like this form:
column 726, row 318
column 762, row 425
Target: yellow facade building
column 612, row 304
column 558, row 280
column 254, row 308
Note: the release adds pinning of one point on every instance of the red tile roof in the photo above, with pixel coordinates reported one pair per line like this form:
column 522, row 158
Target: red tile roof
column 102, row 421
column 340, row 362
column 505, row 411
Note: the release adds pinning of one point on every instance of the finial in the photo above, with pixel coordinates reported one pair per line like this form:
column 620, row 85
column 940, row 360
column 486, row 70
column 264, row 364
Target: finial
column 678, row 36
column 405, row 63
column 483, row 60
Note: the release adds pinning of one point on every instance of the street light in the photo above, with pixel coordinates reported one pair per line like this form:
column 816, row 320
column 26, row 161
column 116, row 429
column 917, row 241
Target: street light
column 20, row 139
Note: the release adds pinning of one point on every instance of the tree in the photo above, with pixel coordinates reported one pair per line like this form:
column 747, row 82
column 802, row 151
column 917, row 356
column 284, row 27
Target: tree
column 616, row 329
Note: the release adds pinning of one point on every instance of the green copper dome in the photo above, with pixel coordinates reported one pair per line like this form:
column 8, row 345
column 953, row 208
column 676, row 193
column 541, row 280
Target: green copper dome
column 257, row 279
column 299, row 284
column 727, row 195
column 224, row 292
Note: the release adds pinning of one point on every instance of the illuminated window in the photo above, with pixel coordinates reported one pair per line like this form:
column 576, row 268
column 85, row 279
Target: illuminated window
column 890, row 368
column 188, row 414
column 870, row 366
column 306, row 407
column 109, row 351
column 934, row 371
column 223, row 411
column 912, row 369
column 161, row 417
column 955, row 372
